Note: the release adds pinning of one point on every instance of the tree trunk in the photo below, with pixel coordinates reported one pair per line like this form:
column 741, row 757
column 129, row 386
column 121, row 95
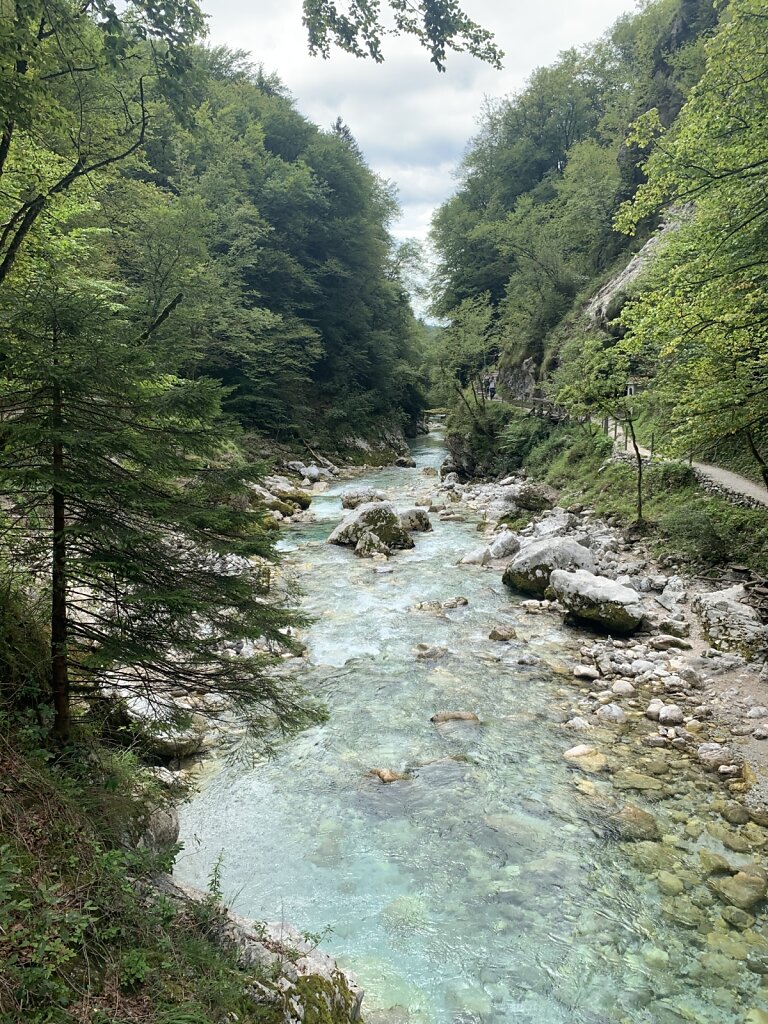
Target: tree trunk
column 758, row 457
column 639, row 458
column 59, row 665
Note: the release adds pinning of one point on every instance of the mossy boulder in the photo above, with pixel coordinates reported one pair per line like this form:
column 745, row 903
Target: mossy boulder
column 378, row 518
column 293, row 496
column 597, row 599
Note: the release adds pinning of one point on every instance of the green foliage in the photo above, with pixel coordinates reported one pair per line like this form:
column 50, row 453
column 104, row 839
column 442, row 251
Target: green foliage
column 696, row 528
column 438, row 25
column 80, row 926
column 702, row 317
column 521, row 436
column 532, row 224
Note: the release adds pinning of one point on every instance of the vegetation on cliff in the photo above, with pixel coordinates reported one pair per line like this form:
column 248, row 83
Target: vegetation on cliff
column 665, row 117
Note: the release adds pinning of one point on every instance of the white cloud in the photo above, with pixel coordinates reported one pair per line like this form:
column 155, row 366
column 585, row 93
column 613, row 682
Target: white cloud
column 411, row 123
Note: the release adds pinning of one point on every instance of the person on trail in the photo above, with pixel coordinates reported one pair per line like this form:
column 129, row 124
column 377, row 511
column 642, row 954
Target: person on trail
column 491, row 388
column 486, row 386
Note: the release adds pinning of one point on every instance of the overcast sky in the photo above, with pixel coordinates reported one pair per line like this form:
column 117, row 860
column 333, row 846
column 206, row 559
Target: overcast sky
column 411, row 123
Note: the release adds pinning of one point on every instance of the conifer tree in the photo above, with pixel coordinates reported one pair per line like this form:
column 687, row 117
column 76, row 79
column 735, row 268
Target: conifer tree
column 121, row 484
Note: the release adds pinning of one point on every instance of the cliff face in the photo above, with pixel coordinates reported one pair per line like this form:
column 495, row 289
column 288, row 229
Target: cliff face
column 607, row 297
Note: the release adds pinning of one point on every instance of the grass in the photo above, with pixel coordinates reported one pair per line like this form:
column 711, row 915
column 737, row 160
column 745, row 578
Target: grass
column 83, row 937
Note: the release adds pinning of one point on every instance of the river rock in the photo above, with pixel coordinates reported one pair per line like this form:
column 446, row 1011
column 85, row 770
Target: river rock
column 415, row 520
column 429, row 652
column 405, row 462
column 611, row 713
column 586, row 758
column 633, row 824
column 670, row 714
column 742, row 890
column 504, row 545
column 387, row 776
column 503, row 633
column 366, row 496
column 623, row 688
column 728, row 622
column 586, row 672
column 378, row 518
column 531, row 568
column 370, row 544
column 454, row 716
column 714, row 756
column 533, row 497
column 597, row 599
column 477, row 556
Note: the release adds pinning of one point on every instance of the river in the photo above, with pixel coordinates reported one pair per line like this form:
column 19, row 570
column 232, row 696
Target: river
column 485, row 889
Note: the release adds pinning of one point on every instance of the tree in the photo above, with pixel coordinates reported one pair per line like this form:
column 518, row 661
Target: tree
column 592, row 381
column 123, row 482
column 703, row 315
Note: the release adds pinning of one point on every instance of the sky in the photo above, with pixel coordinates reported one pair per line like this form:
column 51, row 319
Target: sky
column 411, row 122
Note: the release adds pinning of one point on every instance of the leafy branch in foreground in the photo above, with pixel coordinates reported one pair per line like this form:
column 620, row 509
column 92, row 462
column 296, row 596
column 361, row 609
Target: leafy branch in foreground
column 439, row 25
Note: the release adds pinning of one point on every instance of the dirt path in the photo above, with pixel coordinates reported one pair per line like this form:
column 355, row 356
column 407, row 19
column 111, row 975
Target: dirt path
column 722, row 477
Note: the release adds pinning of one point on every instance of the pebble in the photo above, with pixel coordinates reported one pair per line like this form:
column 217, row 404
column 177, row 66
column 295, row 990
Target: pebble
column 623, row 687
column 670, row 714
column 612, row 713
column 586, row 672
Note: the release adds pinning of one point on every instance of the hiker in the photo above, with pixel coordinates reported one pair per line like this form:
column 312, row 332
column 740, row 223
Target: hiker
column 486, row 386
column 491, row 388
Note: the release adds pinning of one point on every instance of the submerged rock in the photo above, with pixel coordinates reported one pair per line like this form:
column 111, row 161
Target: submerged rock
column 743, row 890
column 586, row 758
column 634, row 824
column 597, row 599
column 454, row 716
column 387, row 776
column 429, row 652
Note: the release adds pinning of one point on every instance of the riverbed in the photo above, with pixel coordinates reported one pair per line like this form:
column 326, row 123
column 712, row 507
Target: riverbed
column 485, row 888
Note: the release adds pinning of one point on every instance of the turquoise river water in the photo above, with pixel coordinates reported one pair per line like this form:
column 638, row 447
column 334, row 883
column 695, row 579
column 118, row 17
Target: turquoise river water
column 485, row 889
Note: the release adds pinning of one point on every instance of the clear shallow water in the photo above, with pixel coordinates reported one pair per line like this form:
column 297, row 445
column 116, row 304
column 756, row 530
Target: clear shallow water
column 485, row 889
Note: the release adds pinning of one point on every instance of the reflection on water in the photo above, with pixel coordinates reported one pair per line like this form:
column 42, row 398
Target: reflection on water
column 487, row 886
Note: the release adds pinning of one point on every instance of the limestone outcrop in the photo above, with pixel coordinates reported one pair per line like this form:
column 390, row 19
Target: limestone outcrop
column 302, row 981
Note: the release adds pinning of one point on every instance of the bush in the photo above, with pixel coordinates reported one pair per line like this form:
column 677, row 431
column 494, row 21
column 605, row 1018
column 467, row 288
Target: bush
column 521, row 436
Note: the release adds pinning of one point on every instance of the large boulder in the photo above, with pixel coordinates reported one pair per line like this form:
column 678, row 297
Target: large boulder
column 730, row 624
column 351, row 499
column 535, row 497
column 415, row 520
column 597, row 599
column 530, row 570
column 378, row 518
